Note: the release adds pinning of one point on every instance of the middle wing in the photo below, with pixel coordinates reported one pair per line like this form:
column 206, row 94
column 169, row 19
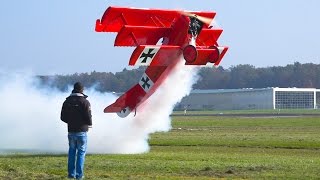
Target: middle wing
column 163, row 55
column 130, row 100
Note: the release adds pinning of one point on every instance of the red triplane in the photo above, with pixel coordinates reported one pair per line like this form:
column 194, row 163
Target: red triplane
column 160, row 37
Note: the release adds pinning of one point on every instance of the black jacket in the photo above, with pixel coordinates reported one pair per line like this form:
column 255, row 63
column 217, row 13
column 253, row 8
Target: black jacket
column 76, row 112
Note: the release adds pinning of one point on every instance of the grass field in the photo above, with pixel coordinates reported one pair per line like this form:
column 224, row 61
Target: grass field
column 199, row 147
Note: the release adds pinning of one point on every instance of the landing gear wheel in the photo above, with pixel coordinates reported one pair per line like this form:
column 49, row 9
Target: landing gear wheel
column 190, row 53
column 124, row 112
column 215, row 55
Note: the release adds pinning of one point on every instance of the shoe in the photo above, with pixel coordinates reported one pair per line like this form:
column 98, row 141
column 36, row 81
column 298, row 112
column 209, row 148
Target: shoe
column 80, row 178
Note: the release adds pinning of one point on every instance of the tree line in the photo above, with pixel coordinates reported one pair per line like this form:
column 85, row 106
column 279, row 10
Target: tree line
column 240, row 76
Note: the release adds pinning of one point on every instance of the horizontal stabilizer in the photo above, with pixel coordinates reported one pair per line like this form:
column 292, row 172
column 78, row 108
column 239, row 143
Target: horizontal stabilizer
column 140, row 35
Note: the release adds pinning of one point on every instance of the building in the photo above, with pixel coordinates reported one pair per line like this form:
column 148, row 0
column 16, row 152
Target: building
column 249, row 98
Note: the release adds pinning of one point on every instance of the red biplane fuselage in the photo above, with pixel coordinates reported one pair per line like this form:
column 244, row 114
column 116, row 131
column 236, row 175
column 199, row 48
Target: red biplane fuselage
column 145, row 28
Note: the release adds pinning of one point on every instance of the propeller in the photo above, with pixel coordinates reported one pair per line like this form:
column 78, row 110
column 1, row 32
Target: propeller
column 205, row 20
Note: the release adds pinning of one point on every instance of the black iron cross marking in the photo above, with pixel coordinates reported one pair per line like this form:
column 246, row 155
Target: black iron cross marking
column 145, row 82
column 146, row 56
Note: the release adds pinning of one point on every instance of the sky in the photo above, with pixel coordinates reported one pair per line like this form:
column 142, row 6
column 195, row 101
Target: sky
column 57, row 37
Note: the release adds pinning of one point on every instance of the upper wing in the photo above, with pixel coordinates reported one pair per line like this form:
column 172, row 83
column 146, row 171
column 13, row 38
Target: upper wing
column 115, row 18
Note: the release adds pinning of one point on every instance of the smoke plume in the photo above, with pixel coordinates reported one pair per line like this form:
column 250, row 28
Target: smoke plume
column 30, row 116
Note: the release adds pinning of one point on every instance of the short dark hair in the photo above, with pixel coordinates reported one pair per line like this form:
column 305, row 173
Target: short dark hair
column 78, row 87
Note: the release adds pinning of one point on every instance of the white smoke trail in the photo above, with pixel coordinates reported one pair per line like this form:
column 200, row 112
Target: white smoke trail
column 130, row 135
column 30, row 117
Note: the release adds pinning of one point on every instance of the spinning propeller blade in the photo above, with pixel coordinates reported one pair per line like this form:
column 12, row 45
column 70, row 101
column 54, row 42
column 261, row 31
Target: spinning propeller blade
column 205, row 20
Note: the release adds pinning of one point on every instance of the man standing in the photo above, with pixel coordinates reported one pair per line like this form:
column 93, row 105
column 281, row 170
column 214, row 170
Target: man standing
column 76, row 112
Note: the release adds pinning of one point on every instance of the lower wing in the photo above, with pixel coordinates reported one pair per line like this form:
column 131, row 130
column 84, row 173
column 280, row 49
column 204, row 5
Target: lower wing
column 130, row 100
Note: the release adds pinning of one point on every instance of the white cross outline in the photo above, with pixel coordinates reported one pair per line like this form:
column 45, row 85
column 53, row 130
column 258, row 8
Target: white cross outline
column 146, row 52
column 145, row 82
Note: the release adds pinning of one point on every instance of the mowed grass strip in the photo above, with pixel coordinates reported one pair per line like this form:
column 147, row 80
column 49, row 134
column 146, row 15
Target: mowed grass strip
column 177, row 162
column 298, row 132
column 198, row 148
column 253, row 111
column 194, row 162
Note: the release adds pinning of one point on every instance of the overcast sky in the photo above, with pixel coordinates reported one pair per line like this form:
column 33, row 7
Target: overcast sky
column 58, row 37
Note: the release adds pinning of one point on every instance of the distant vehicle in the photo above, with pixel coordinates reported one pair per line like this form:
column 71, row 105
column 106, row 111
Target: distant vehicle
column 183, row 33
